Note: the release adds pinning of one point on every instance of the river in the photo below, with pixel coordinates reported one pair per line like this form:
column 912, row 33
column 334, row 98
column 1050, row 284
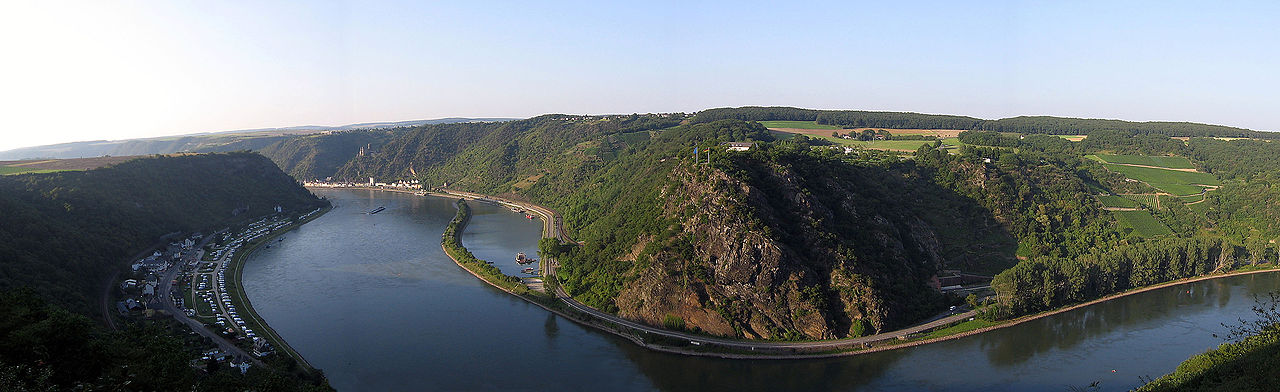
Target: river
column 375, row 303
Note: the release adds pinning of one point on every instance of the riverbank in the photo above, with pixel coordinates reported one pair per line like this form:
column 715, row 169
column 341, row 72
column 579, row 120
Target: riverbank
column 236, row 290
column 699, row 345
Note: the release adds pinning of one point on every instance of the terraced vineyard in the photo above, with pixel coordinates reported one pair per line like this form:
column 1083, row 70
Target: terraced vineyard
column 1117, row 202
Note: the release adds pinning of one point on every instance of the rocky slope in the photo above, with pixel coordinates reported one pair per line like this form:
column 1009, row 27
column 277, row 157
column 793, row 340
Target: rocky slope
column 785, row 248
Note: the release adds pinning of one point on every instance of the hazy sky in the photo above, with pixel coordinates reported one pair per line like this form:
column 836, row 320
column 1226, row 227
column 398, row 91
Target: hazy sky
column 112, row 70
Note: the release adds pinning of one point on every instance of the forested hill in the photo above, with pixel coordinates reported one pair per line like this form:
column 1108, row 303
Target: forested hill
column 64, row 232
column 846, row 259
column 1023, row 124
column 313, row 157
column 797, row 239
column 489, row 154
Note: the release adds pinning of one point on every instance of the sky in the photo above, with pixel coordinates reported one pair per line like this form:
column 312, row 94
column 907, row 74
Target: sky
column 92, row 70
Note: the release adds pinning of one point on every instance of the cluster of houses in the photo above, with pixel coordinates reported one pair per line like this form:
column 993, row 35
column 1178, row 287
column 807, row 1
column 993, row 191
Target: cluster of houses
column 219, row 356
column 372, row 183
column 140, row 290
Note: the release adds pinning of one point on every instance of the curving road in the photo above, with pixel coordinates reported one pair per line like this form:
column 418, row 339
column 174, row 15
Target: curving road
column 166, row 300
column 553, row 227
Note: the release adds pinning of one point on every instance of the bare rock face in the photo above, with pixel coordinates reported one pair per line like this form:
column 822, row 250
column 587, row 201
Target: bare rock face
column 781, row 253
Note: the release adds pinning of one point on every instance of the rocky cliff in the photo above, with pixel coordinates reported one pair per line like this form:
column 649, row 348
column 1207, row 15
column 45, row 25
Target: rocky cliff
column 785, row 248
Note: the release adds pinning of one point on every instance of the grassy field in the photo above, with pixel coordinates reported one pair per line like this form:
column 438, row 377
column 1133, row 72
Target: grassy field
column 8, row 170
column 1142, row 223
column 1074, row 138
column 796, row 125
column 1117, row 202
column 1169, row 162
column 964, row 326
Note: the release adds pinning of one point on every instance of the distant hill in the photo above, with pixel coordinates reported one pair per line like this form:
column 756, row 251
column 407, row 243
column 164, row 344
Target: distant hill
column 1021, row 124
column 245, row 139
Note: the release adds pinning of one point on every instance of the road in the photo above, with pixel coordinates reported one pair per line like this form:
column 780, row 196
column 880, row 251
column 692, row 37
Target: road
column 166, row 288
column 553, row 227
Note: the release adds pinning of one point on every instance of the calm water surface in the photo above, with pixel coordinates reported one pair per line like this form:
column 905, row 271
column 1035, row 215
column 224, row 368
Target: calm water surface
column 375, row 303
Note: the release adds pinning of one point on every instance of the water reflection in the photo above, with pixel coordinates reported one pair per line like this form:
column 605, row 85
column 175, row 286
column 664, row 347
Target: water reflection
column 671, row 372
column 550, row 327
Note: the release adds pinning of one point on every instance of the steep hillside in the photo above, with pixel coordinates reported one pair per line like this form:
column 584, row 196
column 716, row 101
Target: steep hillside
column 313, row 157
column 495, row 157
column 65, row 231
column 783, row 242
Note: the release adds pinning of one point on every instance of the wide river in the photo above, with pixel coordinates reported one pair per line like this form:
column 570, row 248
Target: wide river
column 375, row 303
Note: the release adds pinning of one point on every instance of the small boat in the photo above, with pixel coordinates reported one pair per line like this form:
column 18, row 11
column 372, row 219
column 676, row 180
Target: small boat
column 377, row 210
column 527, row 216
column 529, row 270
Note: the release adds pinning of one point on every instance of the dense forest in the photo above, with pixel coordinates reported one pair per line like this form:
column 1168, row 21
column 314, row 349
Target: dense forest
column 44, row 347
column 65, row 232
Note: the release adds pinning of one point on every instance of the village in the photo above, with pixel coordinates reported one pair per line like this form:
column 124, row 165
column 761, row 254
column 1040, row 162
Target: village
column 188, row 280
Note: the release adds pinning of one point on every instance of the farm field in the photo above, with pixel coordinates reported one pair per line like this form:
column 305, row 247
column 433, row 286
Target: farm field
column 53, row 165
column 1176, row 182
column 1074, row 138
column 1169, row 162
column 7, row 170
column 1146, row 200
column 1142, row 223
column 1117, row 202
column 1178, row 189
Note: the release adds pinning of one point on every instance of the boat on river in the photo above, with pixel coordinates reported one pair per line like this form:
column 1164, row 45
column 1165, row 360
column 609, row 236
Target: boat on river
column 522, row 259
column 377, row 210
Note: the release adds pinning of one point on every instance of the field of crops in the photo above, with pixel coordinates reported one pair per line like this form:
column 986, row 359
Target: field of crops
column 7, row 170
column 1169, row 162
column 1146, row 200
column 1178, row 189
column 1117, row 202
column 1142, row 223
